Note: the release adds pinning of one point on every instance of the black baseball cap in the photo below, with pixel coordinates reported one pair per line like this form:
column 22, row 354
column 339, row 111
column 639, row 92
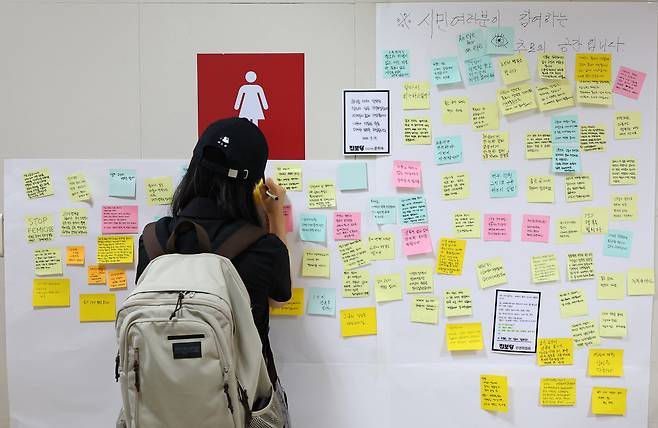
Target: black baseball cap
column 234, row 148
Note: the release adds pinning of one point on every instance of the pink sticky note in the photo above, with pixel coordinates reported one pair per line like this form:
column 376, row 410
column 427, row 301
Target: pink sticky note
column 347, row 226
column 498, row 227
column 629, row 82
column 407, row 174
column 287, row 214
column 416, row 240
column 535, row 228
column 119, row 219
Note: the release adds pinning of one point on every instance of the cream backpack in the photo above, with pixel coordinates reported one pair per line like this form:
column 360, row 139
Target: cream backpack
column 189, row 352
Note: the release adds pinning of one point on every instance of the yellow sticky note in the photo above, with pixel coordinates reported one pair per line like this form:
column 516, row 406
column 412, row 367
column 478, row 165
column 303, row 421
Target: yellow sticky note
column 419, row 279
column 315, row 263
column 493, row 393
column 484, row 117
column 554, row 351
column 388, row 287
column 495, row 145
column 117, row 279
column 597, row 67
column 78, row 187
column 541, row 188
column 98, row 307
column 551, row 66
column 294, row 306
column 451, row 256
column 48, row 261
column 159, row 190
column 464, row 336
column 289, row 177
column 538, row 145
column 608, row 401
column 624, row 207
column 605, row 362
column 358, row 322
column 516, row 99
column 75, row 255
column 585, row 333
column 417, row 130
column 74, row 222
column 573, row 303
column 37, row 183
column 455, row 186
column 544, row 268
column 593, row 138
column 623, row 171
column 356, row 283
column 51, row 293
column 640, row 282
column 115, row 249
column 592, row 92
column 612, row 324
column 595, row 220
column 425, row 309
column 569, row 230
column 557, row 391
column 457, row 302
column 381, row 246
column 96, row 275
column 39, row 228
column 454, row 110
column 610, row 285
column 628, row 125
column 580, row 266
column 322, row 194
column 416, row 95
column 514, row 68
column 353, row 254
column 466, row 224
column 554, row 96
column 491, row 272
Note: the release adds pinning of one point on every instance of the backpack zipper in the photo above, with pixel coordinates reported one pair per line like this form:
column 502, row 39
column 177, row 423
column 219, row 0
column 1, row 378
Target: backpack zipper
column 136, row 369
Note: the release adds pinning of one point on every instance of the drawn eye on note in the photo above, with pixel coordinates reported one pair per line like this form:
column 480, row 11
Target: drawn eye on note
column 499, row 40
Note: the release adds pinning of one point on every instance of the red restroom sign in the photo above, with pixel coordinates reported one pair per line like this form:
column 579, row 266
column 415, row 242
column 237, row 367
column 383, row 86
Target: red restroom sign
column 266, row 88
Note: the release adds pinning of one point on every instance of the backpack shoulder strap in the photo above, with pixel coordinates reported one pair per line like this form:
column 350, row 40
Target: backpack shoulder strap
column 151, row 242
column 243, row 238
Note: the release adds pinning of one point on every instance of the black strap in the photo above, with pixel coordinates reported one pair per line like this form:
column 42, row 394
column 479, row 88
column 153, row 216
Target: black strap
column 151, row 242
column 240, row 240
column 201, row 236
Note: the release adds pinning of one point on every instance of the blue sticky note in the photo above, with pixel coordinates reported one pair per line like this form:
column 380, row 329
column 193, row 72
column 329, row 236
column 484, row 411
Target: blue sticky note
column 353, row 176
column 471, row 44
column 618, row 243
column 499, row 40
column 182, row 170
column 448, row 149
column 384, row 210
column 313, row 227
column 395, row 63
column 502, row 184
column 564, row 129
column 445, row 70
column 122, row 183
column 321, row 301
column 566, row 158
column 480, row 70
column 413, row 209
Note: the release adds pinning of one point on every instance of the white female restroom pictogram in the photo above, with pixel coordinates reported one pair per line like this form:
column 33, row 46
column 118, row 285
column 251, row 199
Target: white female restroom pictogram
column 251, row 100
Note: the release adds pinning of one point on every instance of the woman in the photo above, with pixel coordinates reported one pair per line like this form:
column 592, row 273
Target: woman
column 217, row 192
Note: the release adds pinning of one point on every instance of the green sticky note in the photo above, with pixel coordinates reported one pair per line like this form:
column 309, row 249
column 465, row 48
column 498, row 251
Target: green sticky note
column 122, row 183
column 640, row 282
column 321, row 301
column 353, row 176
column 47, row 261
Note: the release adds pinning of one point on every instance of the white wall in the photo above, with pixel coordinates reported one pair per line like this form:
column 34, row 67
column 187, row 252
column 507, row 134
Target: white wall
column 117, row 78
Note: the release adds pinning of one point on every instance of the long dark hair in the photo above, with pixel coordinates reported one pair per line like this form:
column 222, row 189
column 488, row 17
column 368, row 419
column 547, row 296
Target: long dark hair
column 234, row 198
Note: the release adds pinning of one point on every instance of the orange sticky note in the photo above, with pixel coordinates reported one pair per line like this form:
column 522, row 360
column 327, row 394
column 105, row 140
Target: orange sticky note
column 75, row 255
column 117, row 279
column 96, row 275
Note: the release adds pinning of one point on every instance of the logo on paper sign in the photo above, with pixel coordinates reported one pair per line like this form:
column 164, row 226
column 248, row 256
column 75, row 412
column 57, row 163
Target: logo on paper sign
column 251, row 100
column 223, row 142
